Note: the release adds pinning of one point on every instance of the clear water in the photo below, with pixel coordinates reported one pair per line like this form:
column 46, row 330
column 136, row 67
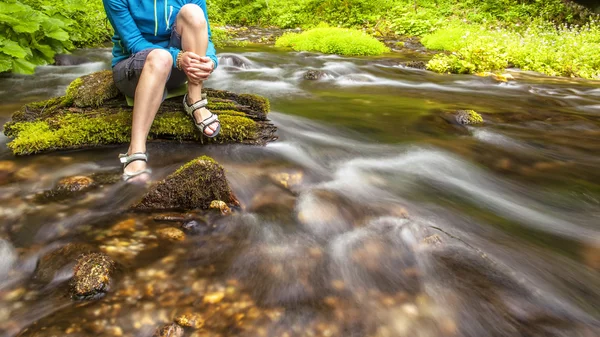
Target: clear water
column 391, row 221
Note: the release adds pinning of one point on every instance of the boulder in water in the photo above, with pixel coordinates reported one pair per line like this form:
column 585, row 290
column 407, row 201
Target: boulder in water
column 313, row 75
column 193, row 186
column 468, row 117
column 93, row 113
column 69, row 60
column 422, row 65
column 92, row 275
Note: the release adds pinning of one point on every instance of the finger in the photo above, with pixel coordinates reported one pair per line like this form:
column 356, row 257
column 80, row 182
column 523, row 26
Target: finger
column 193, row 55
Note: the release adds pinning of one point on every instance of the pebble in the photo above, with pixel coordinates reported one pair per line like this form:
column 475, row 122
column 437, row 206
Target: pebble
column 171, row 234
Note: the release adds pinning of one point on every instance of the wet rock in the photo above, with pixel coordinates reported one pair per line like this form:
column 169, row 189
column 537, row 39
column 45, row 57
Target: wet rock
column 313, row 75
column 59, row 263
column 69, row 60
column 194, row 320
column 8, row 259
column 193, row 186
column 290, row 179
column 171, row 217
column 92, row 276
column 27, row 173
column 169, row 330
column 285, row 272
column 422, row 65
column 325, row 213
column 275, row 204
column 171, row 234
column 70, row 187
column 468, row 117
column 7, row 169
column 221, row 206
column 377, row 257
column 196, row 227
column 94, row 113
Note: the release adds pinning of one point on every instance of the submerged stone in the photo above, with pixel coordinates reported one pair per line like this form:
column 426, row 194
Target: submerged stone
column 194, row 321
column 171, row 234
column 70, row 187
column 93, row 113
column 193, row 186
column 92, row 275
column 169, row 330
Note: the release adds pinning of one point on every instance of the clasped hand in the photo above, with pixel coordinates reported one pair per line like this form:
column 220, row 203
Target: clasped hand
column 196, row 67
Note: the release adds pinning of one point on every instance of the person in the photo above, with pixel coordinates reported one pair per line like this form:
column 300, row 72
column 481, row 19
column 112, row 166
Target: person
column 159, row 45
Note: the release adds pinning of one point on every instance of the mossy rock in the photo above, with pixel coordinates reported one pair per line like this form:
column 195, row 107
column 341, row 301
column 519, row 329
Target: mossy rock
column 193, row 186
column 93, row 113
column 53, row 262
column 468, row 117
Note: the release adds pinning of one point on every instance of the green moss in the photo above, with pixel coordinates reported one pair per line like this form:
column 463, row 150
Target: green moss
column 194, row 185
column 221, row 105
column 77, row 130
column 255, row 102
column 468, row 117
column 71, row 91
column 188, row 165
column 229, row 113
column 91, row 90
column 341, row 41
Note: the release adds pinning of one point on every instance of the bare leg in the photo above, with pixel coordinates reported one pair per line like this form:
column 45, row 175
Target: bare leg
column 148, row 97
column 193, row 29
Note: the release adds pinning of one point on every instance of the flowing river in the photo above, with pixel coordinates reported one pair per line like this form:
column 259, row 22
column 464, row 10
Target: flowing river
column 372, row 215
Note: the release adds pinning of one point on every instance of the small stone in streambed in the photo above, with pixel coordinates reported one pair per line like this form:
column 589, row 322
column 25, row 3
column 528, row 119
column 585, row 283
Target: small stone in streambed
column 169, row 330
column 221, row 206
column 313, row 75
column 422, row 65
column 171, row 234
column 468, row 117
column 196, row 227
column 194, row 321
column 92, row 276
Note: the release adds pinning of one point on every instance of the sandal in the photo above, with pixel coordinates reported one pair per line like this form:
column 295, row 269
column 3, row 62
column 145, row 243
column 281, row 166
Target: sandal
column 126, row 159
column 212, row 119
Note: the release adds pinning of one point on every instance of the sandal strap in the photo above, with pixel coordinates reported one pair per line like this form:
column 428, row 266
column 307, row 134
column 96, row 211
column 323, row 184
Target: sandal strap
column 127, row 159
column 208, row 121
column 195, row 106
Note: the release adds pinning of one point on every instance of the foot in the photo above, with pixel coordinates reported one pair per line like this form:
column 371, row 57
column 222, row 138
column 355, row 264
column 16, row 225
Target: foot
column 137, row 166
column 202, row 114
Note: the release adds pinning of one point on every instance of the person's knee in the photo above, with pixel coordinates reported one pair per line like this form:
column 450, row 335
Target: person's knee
column 159, row 61
column 193, row 15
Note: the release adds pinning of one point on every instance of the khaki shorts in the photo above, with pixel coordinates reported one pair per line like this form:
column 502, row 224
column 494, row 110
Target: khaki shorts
column 126, row 73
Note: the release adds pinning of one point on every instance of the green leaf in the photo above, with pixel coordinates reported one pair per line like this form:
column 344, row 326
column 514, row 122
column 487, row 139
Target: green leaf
column 25, row 26
column 13, row 49
column 46, row 50
column 23, row 67
column 58, row 34
column 5, row 63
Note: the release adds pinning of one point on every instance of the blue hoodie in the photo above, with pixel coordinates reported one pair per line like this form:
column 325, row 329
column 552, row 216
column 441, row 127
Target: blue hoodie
column 143, row 24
